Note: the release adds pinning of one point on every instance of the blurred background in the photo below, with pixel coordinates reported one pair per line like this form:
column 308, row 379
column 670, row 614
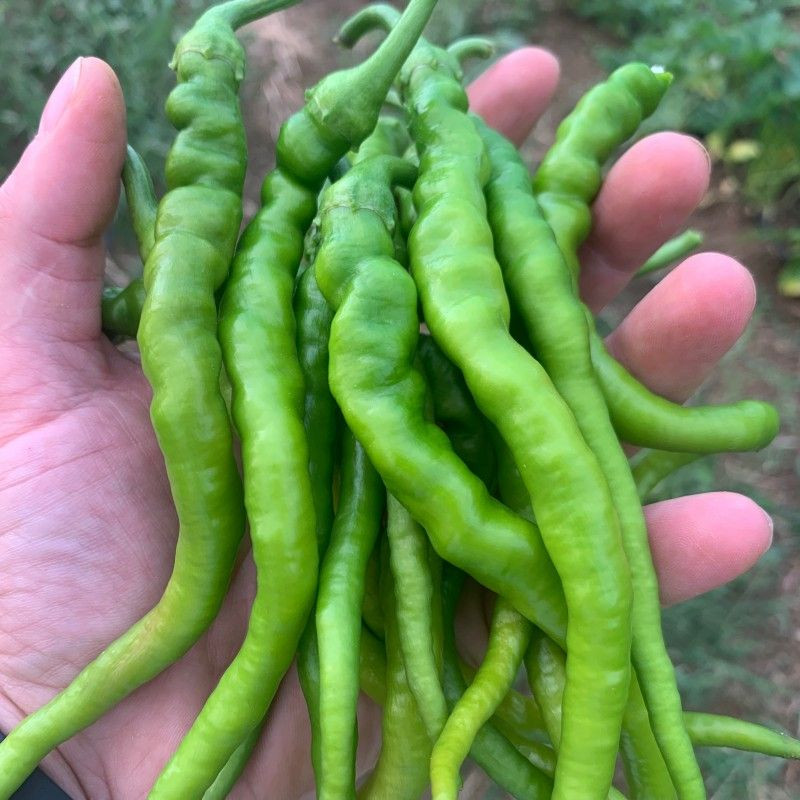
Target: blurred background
column 737, row 88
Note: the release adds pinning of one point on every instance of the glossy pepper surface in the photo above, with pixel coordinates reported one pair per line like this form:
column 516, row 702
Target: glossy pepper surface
column 466, row 310
column 540, row 286
column 195, row 233
column 257, row 334
column 382, row 396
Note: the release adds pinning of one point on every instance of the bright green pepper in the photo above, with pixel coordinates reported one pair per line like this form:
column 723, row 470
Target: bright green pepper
column 509, row 635
column 196, row 229
column 540, row 286
column 643, row 418
column 338, row 618
column 257, row 335
column 372, row 376
column 671, row 251
column 466, row 310
column 569, row 176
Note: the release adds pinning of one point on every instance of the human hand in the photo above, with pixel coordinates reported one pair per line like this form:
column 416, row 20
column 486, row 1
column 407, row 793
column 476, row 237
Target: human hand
column 87, row 529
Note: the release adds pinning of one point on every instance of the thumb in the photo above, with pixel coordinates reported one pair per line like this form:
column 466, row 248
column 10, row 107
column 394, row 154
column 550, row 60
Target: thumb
column 56, row 204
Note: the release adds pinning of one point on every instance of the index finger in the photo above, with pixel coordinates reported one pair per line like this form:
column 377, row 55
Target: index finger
column 514, row 92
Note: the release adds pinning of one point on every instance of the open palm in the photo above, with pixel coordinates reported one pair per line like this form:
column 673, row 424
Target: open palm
column 87, row 527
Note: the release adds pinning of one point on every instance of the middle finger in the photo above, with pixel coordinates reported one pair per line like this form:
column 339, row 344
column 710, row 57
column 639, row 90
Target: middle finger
column 645, row 199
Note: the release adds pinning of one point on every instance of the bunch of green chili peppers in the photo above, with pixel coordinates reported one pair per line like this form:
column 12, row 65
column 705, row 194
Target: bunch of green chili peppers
column 380, row 465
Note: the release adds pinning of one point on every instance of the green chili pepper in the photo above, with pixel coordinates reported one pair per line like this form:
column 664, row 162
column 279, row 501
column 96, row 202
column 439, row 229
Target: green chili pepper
column 341, row 243
column 196, row 230
column 414, row 591
column 466, row 310
column 640, row 743
column 650, row 467
column 643, row 418
column 122, row 309
column 644, row 766
column 712, row 730
column 498, row 758
column 141, row 198
column 517, row 716
column 322, row 417
column 675, row 249
column 544, row 664
column 338, row 618
column 509, row 635
column 565, row 183
column 322, row 423
column 647, row 774
column 229, row 774
column 569, row 175
column 372, row 349
column 256, row 332
column 402, row 769
column 540, row 286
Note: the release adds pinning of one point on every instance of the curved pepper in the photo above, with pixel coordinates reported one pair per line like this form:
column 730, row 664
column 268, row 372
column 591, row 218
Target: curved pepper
column 466, row 310
column 196, row 229
column 372, row 350
column 257, row 335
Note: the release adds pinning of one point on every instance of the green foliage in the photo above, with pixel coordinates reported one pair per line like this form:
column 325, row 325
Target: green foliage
column 737, row 70
column 40, row 38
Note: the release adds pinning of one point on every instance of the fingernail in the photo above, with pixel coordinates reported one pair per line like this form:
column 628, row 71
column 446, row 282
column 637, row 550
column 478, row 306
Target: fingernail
column 771, row 525
column 60, row 96
column 705, row 152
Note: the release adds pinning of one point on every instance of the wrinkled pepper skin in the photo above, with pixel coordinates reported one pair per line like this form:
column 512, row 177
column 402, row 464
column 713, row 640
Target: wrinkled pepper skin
column 382, row 396
column 539, row 284
column 196, row 229
column 257, row 335
column 466, row 310
column 338, row 618
column 570, row 174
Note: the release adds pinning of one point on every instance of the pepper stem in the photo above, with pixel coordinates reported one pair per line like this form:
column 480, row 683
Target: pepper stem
column 349, row 101
column 378, row 16
column 236, row 13
column 471, row 47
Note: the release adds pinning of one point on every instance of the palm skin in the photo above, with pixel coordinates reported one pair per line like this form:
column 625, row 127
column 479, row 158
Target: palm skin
column 87, row 527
